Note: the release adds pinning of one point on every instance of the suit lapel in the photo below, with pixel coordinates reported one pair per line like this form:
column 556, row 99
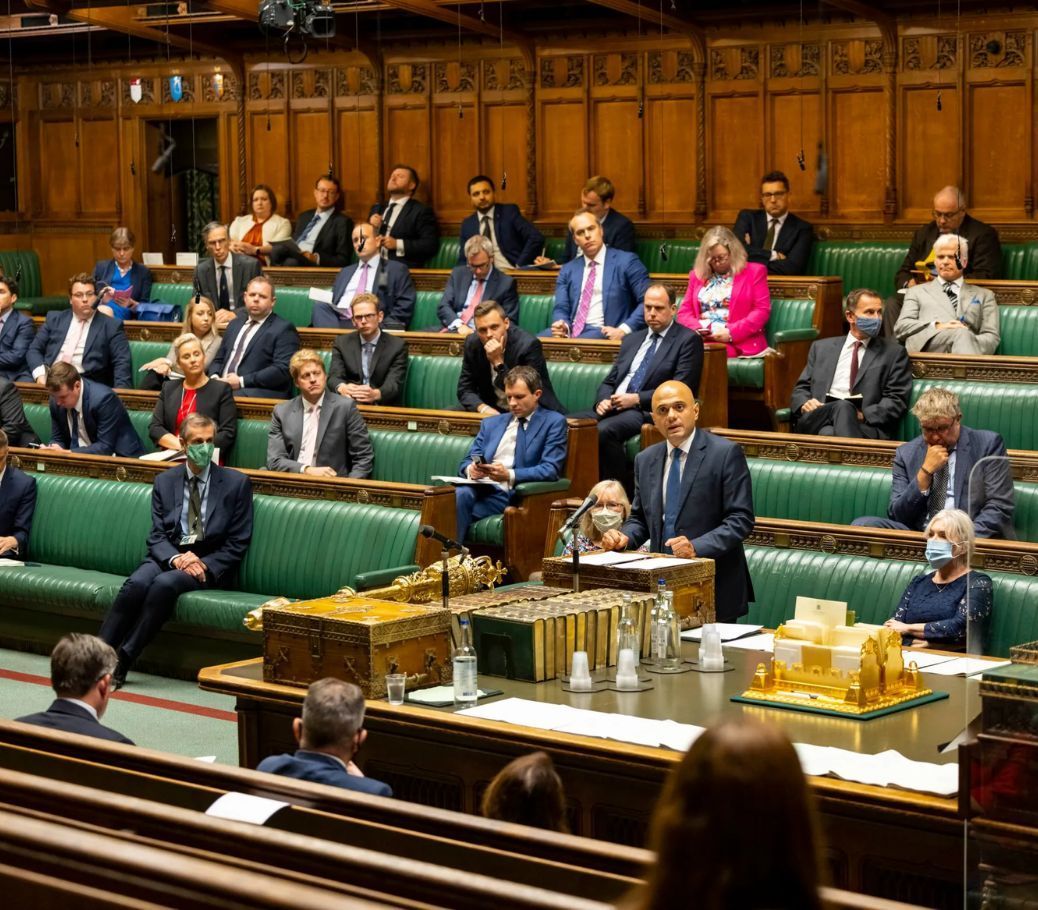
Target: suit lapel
column 696, row 456
column 965, row 458
column 294, row 422
column 868, row 358
column 941, row 301
column 327, row 406
column 654, row 496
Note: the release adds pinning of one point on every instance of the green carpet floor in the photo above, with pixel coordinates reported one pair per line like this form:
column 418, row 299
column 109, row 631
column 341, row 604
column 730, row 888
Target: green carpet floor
column 173, row 715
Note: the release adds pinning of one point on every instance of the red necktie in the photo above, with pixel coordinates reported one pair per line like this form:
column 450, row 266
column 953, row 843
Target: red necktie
column 854, row 365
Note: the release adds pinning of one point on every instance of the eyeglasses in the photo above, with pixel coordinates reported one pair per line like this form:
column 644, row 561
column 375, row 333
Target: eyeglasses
column 778, row 194
column 612, row 506
column 363, row 317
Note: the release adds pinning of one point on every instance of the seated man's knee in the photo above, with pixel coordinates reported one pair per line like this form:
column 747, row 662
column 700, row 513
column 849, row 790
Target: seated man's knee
column 869, row 521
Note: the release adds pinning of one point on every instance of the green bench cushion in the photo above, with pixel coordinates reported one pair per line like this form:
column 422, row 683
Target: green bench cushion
column 535, row 312
column 681, row 255
column 860, row 263
column 432, row 382
column 176, row 294
column 1020, row 261
column 59, row 589
column 836, row 494
column 555, row 247
column 142, row 352
column 1018, row 327
column 217, row 609
column 787, row 316
column 575, row 384
column 424, row 316
column 488, row 531
column 403, row 457
column 447, row 255
column 25, row 266
column 746, row 372
column 295, row 305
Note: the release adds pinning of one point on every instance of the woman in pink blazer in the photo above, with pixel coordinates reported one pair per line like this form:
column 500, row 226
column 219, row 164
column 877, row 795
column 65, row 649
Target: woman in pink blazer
column 727, row 299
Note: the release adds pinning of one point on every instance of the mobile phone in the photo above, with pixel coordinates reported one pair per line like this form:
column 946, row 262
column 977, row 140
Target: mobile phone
column 478, row 459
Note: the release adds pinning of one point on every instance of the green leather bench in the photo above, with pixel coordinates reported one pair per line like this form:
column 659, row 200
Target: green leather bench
column 860, row 263
column 872, row 588
column 447, row 255
column 681, row 255
column 1018, row 326
column 555, row 248
column 24, row 265
column 81, row 571
column 534, row 311
column 1020, row 261
column 790, row 320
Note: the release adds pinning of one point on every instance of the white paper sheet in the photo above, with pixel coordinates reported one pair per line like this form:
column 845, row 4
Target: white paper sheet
column 11, row 563
column 659, row 562
column 437, row 694
column 208, row 759
column 763, row 642
column 243, row 807
column 608, row 559
column 924, row 658
column 729, row 631
column 321, row 295
column 152, row 259
column 458, row 479
column 187, row 260
column 965, row 666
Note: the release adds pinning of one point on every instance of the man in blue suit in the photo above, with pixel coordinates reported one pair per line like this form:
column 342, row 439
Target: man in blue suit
column 663, row 350
column 527, row 444
column 598, row 294
column 81, row 674
column 93, row 343
column 201, row 527
column 88, row 417
column 389, row 279
column 692, row 497
column 330, row 733
column 16, row 334
column 17, row 505
column 471, row 284
column 254, row 354
column 932, row 472
column 514, row 241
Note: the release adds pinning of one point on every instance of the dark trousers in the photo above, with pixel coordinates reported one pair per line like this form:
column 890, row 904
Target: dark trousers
column 590, row 331
column 151, row 381
column 325, row 316
column 614, row 430
column 143, row 605
column 873, row 521
column 474, row 503
column 891, row 311
column 835, row 418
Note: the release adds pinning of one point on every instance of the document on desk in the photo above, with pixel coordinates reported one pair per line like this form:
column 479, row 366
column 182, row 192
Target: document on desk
column 965, row 666
column 659, row 562
column 244, row 807
column 457, row 479
column 609, row 558
column 765, row 641
column 321, row 295
column 730, row 631
column 923, row 658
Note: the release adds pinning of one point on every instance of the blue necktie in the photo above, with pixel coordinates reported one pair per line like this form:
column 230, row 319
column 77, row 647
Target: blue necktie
column 520, row 445
column 74, row 442
column 639, row 375
column 309, row 227
column 673, row 506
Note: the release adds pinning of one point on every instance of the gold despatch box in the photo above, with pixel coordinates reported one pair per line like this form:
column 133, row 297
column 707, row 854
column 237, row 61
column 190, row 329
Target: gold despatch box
column 357, row 639
column 692, row 582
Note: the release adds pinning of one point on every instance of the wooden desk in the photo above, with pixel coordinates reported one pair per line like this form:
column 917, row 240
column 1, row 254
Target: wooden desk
column 892, row 843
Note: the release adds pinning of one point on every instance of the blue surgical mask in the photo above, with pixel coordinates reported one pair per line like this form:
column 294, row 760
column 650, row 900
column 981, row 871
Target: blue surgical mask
column 200, row 454
column 938, row 552
column 869, row 325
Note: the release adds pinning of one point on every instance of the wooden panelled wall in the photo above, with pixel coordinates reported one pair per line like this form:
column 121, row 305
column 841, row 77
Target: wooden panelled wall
column 685, row 141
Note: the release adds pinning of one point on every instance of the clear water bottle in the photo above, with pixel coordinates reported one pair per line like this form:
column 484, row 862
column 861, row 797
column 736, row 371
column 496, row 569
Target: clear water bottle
column 666, row 636
column 466, row 686
column 654, row 613
column 627, row 637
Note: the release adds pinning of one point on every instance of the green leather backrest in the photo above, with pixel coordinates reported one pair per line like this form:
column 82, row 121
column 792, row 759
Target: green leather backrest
column 447, row 255
column 142, row 352
column 311, row 548
column 555, row 247
column 681, row 255
column 250, row 445
column 87, row 523
column 141, row 420
column 424, row 316
column 815, row 492
column 575, row 384
column 1025, row 511
column 1018, row 326
column 403, row 457
column 1008, row 408
column 178, row 294
column 873, row 588
column 535, row 312
column 432, row 382
column 295, row 305
column 38, row 416
column 1020, row 261
column 28, row 263
column 860, row 263
column 789, row 314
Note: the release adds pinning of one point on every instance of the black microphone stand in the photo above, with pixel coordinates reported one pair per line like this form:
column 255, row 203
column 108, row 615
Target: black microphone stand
column 445, row 581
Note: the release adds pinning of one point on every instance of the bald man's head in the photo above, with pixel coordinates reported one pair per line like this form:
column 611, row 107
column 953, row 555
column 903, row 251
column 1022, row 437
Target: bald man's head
column 674, row 411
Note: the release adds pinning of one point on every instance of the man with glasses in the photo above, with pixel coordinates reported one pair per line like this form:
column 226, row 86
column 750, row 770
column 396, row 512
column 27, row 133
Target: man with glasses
column 932, row 472
column 223, row 276
column 949, row 217
column 472, row 283
column 369, row 365
column 321, row 235
column 93, row 343
column 388, row 279
column 772, row 234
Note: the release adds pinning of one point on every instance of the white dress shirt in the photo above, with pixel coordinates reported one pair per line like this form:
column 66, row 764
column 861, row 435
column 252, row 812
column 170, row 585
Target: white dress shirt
column 779, row 222
column 249, row 339
column 345, row 302
column 311, row 422
column 72, row 347
column 307, row 244
column 398, row 203
column 841, row 386
column 640, row 356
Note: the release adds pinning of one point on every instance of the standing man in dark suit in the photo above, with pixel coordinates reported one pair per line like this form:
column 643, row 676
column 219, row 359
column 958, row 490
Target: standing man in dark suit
column 857, row 385
column 370, row 274
column 949, row 217
column 254, row 354
column 596, row 197
column 490, row 353
column 87, row 417
column 93, row 343
column 526, row 444
column 663, row 350
column 201, row 527
column 12, row 416
column 692, row 497
column 598, row 294
column 932, row 472
column 407, row 229
column 224, row 275
column 369, row 365
column 330, row 733
column 318, row 433
column 470, row 284
column 16, row 334
column 321, row 235
column 513, row 240
column 81, row 669
column 17, row 505
column 773, row 235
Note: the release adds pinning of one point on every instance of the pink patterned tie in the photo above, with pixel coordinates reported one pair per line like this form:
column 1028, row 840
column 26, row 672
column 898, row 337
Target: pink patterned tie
column 585, row 300
column 362, row 286
column 470, row 310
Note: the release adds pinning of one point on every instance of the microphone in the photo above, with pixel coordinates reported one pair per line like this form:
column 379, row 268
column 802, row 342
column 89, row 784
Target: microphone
column 359, row 245
column 429, row 531
column 571, row 522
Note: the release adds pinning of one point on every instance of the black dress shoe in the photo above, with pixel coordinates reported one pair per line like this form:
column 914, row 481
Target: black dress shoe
column 119, row 674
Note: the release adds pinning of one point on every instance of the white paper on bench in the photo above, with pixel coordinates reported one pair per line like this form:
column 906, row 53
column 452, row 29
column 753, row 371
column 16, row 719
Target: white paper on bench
column 659, row 562
column 923, row 658
column 729, row 631
column 321, row 295
column 608, row 559
column 243, row 807
column 966, row 666
column 763, row 642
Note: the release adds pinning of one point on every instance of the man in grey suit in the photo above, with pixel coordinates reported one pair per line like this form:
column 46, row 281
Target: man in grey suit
column 858, row 385
column 946, row 315
column 224, row 276
column 932, row 472
column 318, row 433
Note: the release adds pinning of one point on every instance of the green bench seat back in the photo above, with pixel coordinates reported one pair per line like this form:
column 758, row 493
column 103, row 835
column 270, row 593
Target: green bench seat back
column 402, row 457
column 424, row 316
column 1018, row 326
column 447, row 255
column 432, row 382
column 142, row 352
column 1025, row 511
column 575, row 384
column 177, row 294
column 250, row 445
column 38, row 416
column 1020, row 261
column 342, row 539
column 836, row 494
column 681, row 255
column 748, row 372
column 295, row 305
column 555, row 247
column 535, row 312
column 860, row 263
column 25, row 264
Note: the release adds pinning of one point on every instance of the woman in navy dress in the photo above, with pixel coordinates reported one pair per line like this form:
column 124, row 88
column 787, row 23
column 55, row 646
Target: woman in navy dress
column 119, row 282
column 938, row 609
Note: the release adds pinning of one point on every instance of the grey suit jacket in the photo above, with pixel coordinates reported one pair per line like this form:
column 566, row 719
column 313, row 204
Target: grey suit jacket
column 243, row 270
column 927, row 303
column 342, row 437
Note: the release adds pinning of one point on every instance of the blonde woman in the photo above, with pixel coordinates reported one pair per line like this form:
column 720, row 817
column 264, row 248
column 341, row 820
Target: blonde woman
column 200, row 321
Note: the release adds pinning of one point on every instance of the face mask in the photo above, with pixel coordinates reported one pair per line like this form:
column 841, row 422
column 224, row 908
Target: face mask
column 938, row 552
column 200, row 454
column 869, row 325
column 606, row 520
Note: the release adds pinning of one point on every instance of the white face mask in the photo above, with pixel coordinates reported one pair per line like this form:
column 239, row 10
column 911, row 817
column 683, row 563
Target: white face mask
column 606, row 520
